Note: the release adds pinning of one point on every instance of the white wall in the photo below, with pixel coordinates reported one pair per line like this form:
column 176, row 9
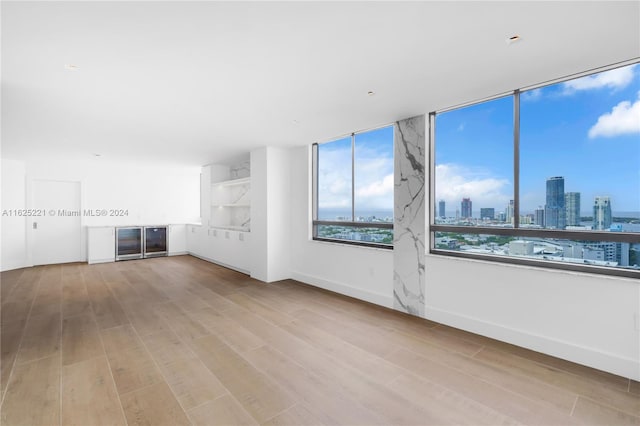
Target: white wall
column 365, row 273
column 581, row 317
column 151, row 194
column 13, row 231
column 585, row 318
column 270, row 214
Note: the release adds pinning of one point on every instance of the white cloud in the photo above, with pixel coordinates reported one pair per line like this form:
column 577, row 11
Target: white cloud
column 377, row 188
column 453, row 182
column 623, row 119
column 531, row 95
column 374, row 179
column 618, row 78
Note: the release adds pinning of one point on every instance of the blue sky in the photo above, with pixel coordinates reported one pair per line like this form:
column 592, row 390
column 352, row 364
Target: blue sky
column 587, row 130
column 373, row 173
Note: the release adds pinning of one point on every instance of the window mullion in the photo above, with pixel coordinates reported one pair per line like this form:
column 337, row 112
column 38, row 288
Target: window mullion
column 516, row 159
column 353, row 177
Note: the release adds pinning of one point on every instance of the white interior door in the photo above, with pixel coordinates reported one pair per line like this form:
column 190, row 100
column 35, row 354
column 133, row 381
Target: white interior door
column 57, row 234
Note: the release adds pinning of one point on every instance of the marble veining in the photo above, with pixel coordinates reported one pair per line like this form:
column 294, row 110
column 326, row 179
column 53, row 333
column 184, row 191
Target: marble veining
column 409, row 216
column 240, row 194
column 240, row 170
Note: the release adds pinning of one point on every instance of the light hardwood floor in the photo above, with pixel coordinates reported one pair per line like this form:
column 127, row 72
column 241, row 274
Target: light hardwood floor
column 173, row 341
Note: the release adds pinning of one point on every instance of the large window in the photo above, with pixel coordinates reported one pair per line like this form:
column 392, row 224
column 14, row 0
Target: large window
column 353, row 189
column 547, row 176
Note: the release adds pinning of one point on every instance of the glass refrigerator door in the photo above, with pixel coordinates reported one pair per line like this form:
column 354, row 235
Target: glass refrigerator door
column 155, row 241
column 129, row 243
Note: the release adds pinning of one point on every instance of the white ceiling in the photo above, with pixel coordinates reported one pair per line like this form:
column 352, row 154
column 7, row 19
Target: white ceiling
column 200, row 82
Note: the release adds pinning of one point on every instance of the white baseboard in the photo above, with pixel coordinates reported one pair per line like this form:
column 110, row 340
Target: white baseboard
column 13, row 265
column 244, row 271
column 368, row 296
column 179, row 253
column 591, row 357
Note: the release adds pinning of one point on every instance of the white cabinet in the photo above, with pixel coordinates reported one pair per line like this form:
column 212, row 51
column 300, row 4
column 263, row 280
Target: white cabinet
column 196, row 240
column 231, row 204
column 177, row 239
column 230, row 248
column 205, row 195
column 226, row 217
column 102, row 244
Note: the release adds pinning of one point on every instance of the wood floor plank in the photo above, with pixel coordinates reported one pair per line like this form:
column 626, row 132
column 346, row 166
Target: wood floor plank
column 89, row 395
column 259, row 309
column 33, row 394
column 153, row 405
column 326, row 398
column 124, row 292
column 623, row 401
column 145, row 319
column 378, row 369
column 80, row 339
column 223, row 411
column 298, row 415
column 8, row 281
column 387, row 404
column 189, row 379
column 601, row 377
column 143, row 286
column 133, row 369
column 184, row 326
column 131, row 365
column 228, row 330
column 211, row 298
column 591, row 413
column 515, row 406
column 261, row 397
column 120, row 338
column 26, row 288
column 11, row 336
column 75, row 299
column 447, row 404
column 15, row 311
column 48, row 298
column 181, row 340
column 366, row 341
column 156, row 341
column 41, row 337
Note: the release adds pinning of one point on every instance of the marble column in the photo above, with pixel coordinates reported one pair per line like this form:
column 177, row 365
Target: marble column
column 409, row 216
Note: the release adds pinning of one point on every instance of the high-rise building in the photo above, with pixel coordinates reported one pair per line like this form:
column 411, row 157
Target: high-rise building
column 465, row 208
column 510, row 212
column 572, row 208
column 602, row 214
column 539, row 216
column 487, row 213
column 441, row 206
column 554, row 210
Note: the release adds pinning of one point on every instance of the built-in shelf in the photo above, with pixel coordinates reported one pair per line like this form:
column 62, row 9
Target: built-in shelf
column 232, row 228
column 230, row 204
column 232, row 182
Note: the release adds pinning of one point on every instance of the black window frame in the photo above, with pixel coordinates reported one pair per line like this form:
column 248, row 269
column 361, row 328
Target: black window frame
column 516, row 231
column 352, row 223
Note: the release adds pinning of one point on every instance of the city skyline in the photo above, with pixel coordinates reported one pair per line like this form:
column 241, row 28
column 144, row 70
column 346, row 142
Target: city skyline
column 587, row 130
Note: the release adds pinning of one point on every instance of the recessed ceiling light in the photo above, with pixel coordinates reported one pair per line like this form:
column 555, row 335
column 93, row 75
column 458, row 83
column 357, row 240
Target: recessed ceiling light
column 97, row 155
column 71, row 67
column 513, row 39
column 371, row 93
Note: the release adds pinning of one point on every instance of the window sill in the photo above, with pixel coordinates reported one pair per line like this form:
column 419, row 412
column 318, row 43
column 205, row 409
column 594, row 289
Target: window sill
column 547, row 266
